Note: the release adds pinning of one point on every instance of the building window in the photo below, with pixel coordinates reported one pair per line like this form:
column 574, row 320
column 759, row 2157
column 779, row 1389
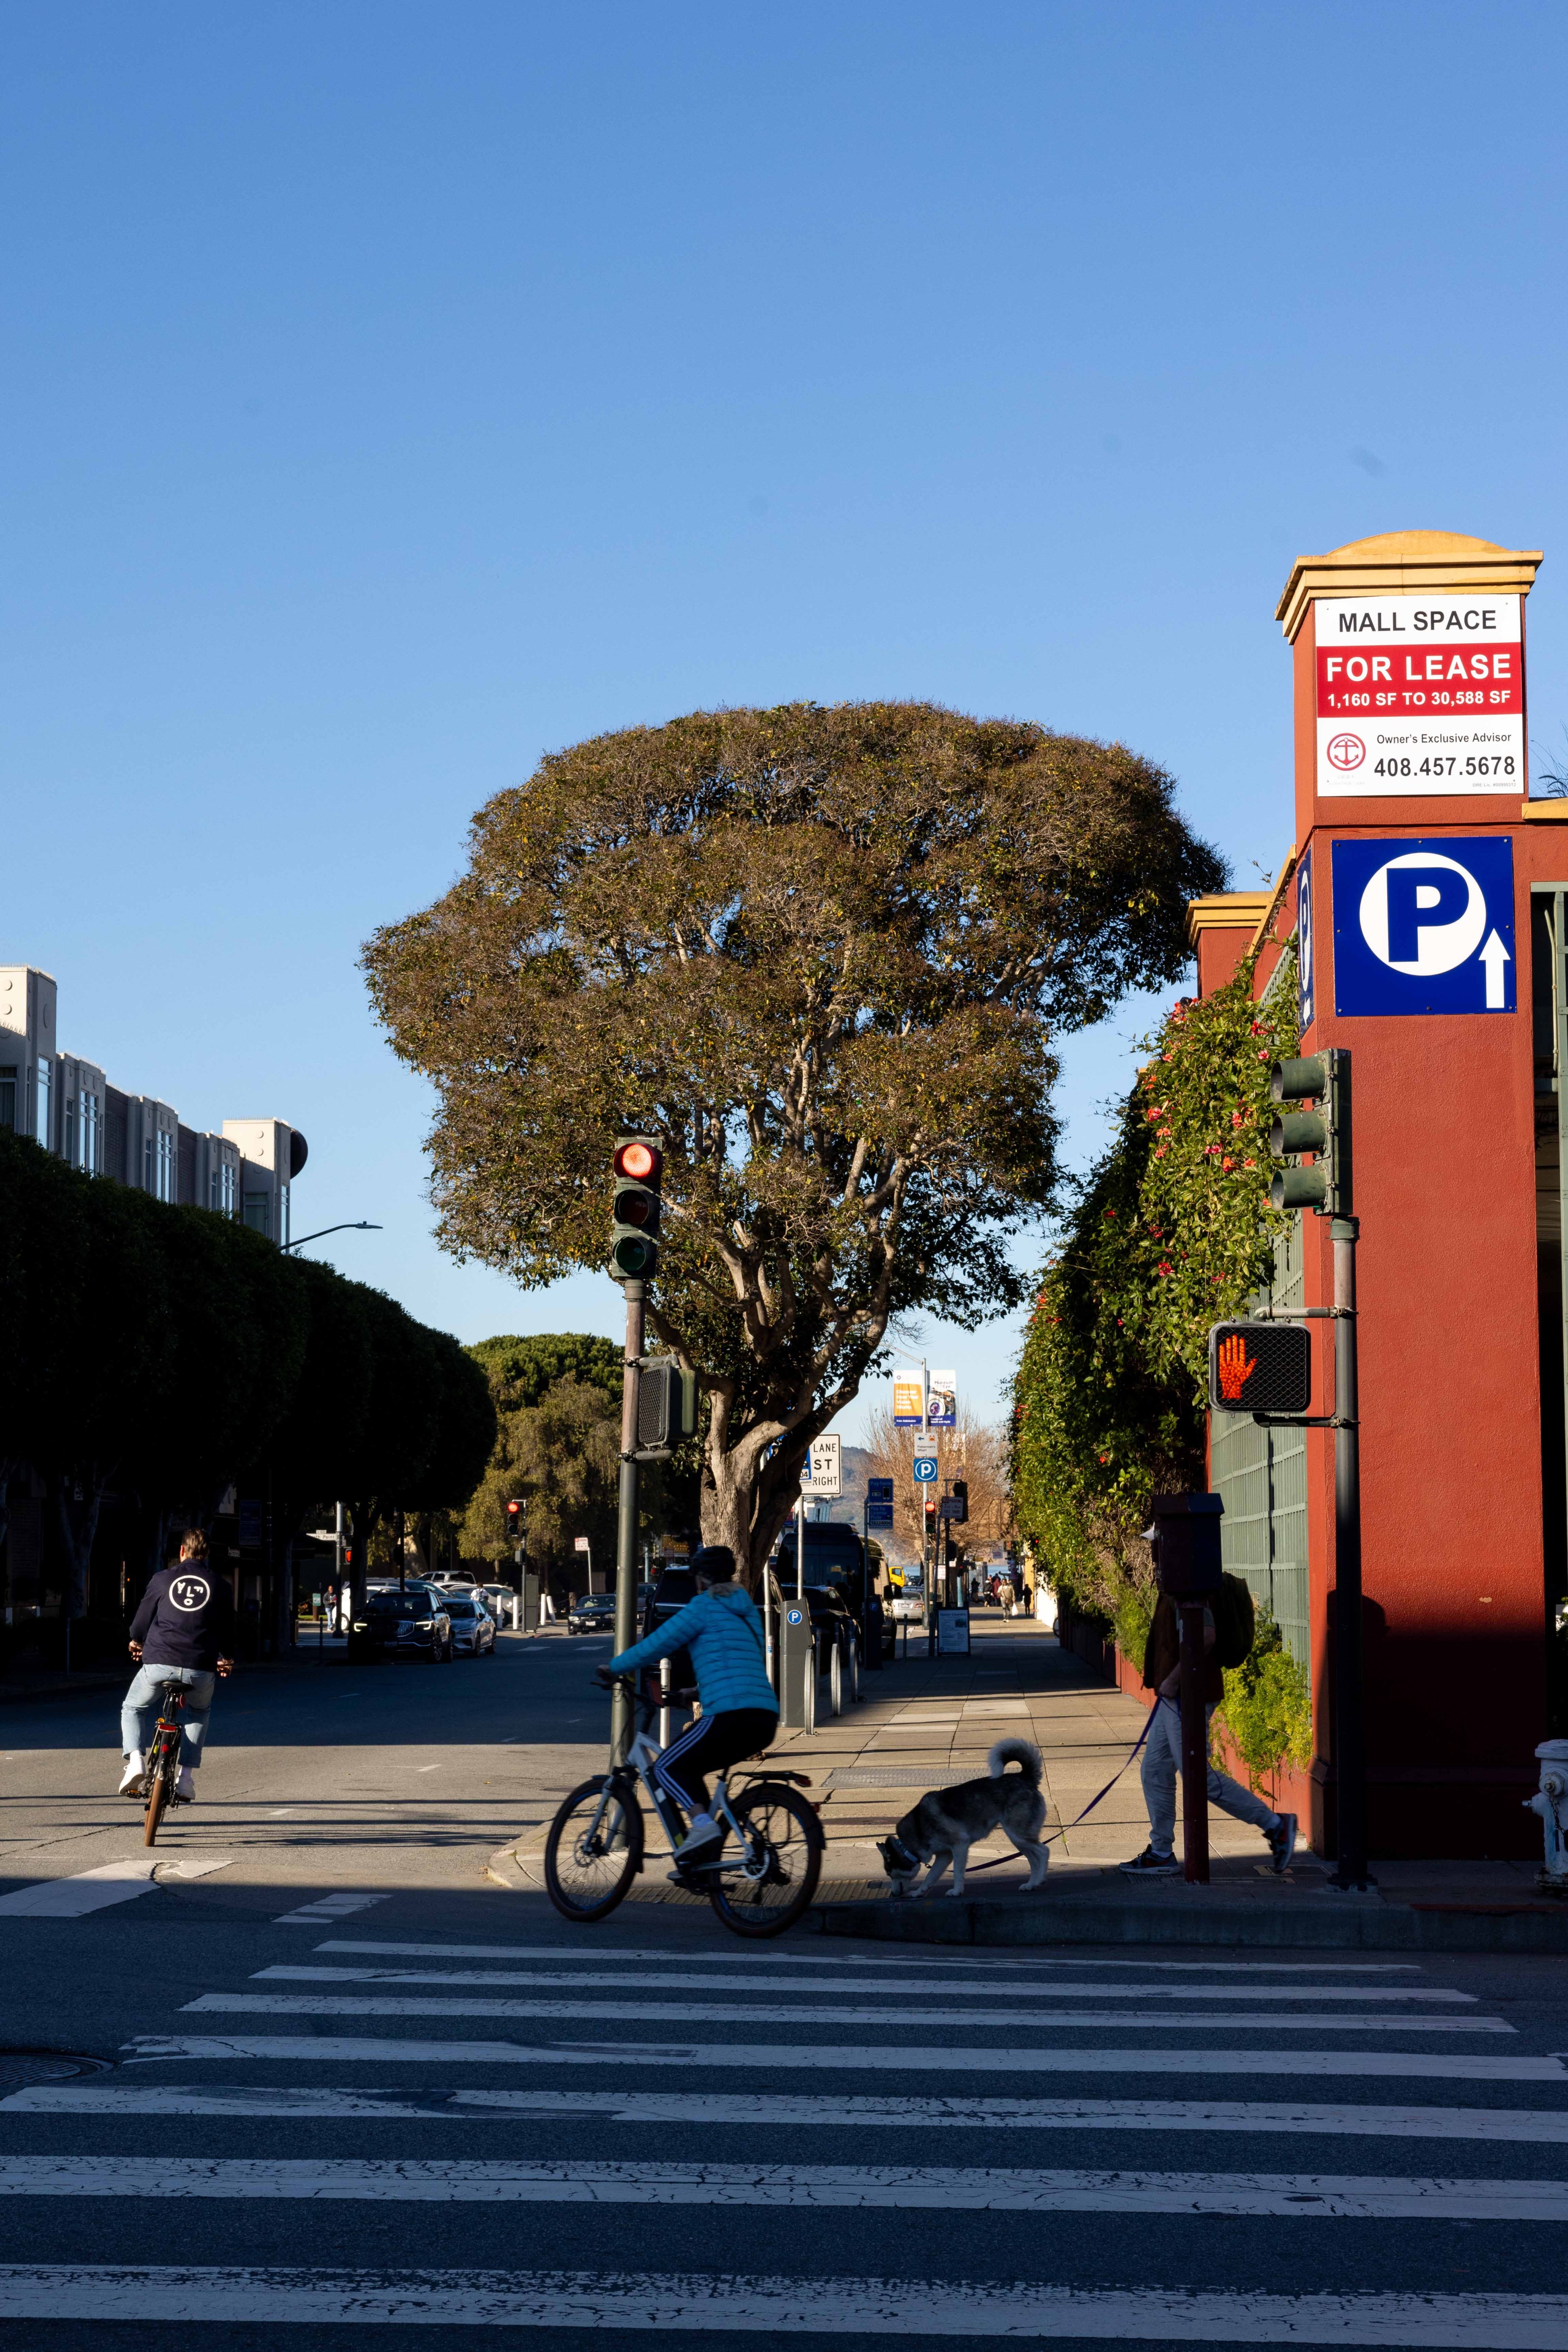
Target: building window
column 8, row 1077
column 89, row 1134
column 43, row 1098
column 223, row 1188
column 167, row 1146
column 258, row 1206
column 283, row 1212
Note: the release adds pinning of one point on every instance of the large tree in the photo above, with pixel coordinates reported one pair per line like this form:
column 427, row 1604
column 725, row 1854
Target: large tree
column 825, row 954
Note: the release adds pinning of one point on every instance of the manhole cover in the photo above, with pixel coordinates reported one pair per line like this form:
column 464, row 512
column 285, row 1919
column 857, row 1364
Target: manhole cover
column 20, row 2066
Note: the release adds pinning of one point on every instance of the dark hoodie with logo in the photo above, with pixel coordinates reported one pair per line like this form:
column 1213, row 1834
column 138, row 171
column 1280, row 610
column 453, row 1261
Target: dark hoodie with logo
column 187, row 1618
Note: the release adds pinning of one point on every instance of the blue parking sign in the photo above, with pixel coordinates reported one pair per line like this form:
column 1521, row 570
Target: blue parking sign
column 1423, row 925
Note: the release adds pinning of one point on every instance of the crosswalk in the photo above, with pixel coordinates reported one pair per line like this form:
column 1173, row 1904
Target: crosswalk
column 968, row 2147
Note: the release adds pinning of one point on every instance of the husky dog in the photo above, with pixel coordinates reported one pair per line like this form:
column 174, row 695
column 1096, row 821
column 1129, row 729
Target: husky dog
column 947, row 1822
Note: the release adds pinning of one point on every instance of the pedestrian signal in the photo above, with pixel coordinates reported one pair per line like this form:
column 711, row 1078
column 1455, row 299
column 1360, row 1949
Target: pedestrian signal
column 666, row 1407
column 1259, row 1368
column 955, row 1505
column 1325, row 1186
column 634, row 1242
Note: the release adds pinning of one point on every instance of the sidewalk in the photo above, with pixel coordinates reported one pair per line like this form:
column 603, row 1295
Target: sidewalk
column 930, row 1720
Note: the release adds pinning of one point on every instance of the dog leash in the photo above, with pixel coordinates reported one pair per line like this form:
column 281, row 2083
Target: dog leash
column 1088, row 1809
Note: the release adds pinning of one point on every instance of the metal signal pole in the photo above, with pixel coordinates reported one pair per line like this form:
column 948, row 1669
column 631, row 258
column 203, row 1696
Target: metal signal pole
column 621, row 1716
column 1349, row 1717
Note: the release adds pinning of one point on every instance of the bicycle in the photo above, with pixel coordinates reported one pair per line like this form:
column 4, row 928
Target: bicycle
column 162, row 1770
column 595, row 1847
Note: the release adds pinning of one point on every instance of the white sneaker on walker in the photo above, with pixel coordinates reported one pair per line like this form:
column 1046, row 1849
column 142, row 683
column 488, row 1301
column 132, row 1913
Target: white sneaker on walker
column 185, row 1787
column 130, row 1782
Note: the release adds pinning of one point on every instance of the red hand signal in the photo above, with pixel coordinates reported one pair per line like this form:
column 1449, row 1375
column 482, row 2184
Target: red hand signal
column 1236, row 1365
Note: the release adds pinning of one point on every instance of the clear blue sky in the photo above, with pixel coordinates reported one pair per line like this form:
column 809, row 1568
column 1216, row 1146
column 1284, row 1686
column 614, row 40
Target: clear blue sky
column 393, row 391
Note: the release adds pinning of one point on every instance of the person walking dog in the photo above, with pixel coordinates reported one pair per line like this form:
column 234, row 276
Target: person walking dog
column 184, row 1632
column 1162, row 1751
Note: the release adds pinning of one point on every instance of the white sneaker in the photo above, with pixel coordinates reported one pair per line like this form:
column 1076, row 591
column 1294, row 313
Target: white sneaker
column 185, row 1787
column 704, row 1833
column 130, row 1784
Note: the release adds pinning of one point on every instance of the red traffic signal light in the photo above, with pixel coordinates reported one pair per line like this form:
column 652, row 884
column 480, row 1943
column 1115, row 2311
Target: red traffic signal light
column 514, row 1514
column 639, row 1162
column 1259, row 1368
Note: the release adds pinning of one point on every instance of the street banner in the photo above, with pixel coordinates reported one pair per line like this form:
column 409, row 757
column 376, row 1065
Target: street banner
column 1306, row 984
column 942, row 1402
column 909, row 1397
column 1420, row 694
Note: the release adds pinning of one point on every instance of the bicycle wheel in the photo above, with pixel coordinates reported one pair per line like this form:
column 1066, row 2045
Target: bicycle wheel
column 158, row 1785
column 766, row 1888
column 593, row 1850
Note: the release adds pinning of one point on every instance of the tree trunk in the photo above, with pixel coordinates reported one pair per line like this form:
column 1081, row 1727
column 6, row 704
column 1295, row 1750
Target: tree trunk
column 78, row 1500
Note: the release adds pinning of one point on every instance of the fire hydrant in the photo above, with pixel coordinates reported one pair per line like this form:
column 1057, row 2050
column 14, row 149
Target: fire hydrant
column 1550, row 1802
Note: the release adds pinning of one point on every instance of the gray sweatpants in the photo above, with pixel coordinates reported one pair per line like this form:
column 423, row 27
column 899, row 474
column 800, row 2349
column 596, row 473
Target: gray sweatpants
column 1162, row 1762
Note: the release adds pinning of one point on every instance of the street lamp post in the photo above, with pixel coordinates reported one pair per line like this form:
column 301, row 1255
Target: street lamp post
column 362, row 1228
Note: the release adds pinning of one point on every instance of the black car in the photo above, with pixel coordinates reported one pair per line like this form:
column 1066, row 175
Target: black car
column 592, row 1612
column 409, row 1624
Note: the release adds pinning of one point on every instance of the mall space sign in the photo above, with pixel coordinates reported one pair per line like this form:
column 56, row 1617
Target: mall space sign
column 1419, row 696
column 1423, row 925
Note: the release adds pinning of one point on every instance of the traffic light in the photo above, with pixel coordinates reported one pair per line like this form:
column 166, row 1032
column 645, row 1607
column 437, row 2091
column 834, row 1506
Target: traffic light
column 514, row 1522
column 1259, row 1368
column 955, row 1505
column 1325, row 1186
column 633, row 1243
column 666, row 1407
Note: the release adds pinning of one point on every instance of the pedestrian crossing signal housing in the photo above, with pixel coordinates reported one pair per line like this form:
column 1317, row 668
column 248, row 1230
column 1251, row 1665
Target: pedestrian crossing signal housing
column 638, row 1164
column 666, row 1407
column 1259, row 1368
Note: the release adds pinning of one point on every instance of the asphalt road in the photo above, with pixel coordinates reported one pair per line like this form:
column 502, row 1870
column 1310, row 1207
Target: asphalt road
column 347, row 2081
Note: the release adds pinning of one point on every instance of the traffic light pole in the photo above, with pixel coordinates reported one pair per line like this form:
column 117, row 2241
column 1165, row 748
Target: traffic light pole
column 1349, row 1723
column 621, row 1712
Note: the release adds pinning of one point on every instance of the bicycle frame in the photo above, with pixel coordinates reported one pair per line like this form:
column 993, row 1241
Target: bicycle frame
column 641, row 1758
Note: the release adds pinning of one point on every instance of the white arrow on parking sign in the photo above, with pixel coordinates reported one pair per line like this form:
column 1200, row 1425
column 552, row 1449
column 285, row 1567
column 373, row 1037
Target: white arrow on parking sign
column 1494, row 955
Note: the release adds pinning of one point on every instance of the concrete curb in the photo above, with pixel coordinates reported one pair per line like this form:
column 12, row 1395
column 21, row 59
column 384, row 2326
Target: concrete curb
column 1332, row 1923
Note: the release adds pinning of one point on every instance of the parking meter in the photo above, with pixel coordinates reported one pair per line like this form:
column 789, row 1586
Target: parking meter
column 797, row 1667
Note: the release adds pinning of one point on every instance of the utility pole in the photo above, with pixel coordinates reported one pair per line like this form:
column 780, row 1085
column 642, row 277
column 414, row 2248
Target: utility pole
column 626, row 1521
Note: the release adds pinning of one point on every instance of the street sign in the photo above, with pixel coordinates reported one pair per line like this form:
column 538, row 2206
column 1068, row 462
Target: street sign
column 821, row 1471
column 879, row 1514
column 926, row 1469
column 879, row 1490
column 942, row 1402
column 909, row 1397
column 1423, row 925
column 1305, row 990
column 1419, row 696
column 580, row 1543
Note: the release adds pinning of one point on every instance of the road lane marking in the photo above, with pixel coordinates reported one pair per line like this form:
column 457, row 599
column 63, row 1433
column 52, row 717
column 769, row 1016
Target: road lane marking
column 1544, row 2127
column 88, row 1890
column 808, row 2057
column 837, row 2188
column 705, row 2303
column 692, row 1979
column 325, row 1908
column 643, row 2013
column 666, row 1959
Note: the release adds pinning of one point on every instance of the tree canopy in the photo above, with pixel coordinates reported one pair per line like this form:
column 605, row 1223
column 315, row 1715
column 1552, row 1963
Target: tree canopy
column 825, row 954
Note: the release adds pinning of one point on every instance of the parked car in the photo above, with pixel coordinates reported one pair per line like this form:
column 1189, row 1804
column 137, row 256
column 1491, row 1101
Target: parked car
column 499, row 1600
column 472, row 1627
column 592, row 1612
column 408, row 1624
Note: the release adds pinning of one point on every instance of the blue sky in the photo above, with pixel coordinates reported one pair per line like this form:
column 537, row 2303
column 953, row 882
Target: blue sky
column 396, row 392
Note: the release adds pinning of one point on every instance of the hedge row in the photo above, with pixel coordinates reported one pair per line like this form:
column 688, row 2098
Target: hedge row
column 170, row 1352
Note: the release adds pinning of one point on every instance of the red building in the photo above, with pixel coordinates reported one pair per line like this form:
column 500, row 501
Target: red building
column 1428, row 894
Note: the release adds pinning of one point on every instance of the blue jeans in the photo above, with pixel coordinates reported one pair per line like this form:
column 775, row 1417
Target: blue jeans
column 1162, row 1762
column 139, row 1714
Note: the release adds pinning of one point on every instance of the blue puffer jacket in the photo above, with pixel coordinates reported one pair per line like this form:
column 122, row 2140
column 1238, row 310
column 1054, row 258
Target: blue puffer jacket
column 724, row 1633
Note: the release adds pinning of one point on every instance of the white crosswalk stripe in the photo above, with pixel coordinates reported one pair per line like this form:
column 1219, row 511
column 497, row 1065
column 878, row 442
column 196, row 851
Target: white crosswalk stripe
column 809, row 2057
column 747, row 2110
column 696, row 1980
column 706, row 2303
column 643, row 2011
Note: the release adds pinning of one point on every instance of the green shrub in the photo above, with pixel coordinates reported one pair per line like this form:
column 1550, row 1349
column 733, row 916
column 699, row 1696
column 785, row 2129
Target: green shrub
column 1267, row 1712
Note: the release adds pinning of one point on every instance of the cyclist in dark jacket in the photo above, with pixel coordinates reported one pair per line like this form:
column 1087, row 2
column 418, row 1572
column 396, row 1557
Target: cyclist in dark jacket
column 184, row 1632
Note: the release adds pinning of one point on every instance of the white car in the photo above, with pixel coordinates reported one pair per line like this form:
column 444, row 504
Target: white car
column 472, row 1627
column 499, row 1600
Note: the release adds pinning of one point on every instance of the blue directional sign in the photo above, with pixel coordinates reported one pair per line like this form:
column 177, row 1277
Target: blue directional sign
column 1423, row 925
column 926, row 1469
column 1306, row 987
column 879, row 1490
column 879, row 1514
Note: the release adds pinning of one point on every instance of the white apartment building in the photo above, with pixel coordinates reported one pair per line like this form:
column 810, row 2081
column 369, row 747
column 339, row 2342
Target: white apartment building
column 68, row 1104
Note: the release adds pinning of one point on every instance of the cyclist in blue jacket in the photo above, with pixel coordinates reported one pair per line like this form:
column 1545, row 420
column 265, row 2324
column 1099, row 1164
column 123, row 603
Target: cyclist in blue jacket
column 723, row 1631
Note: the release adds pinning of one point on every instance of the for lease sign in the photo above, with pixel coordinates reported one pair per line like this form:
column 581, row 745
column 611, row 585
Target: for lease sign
column 1420, row 694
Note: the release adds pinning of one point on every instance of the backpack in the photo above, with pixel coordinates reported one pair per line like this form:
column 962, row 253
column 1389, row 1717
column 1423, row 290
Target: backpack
column 1234, row 1622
